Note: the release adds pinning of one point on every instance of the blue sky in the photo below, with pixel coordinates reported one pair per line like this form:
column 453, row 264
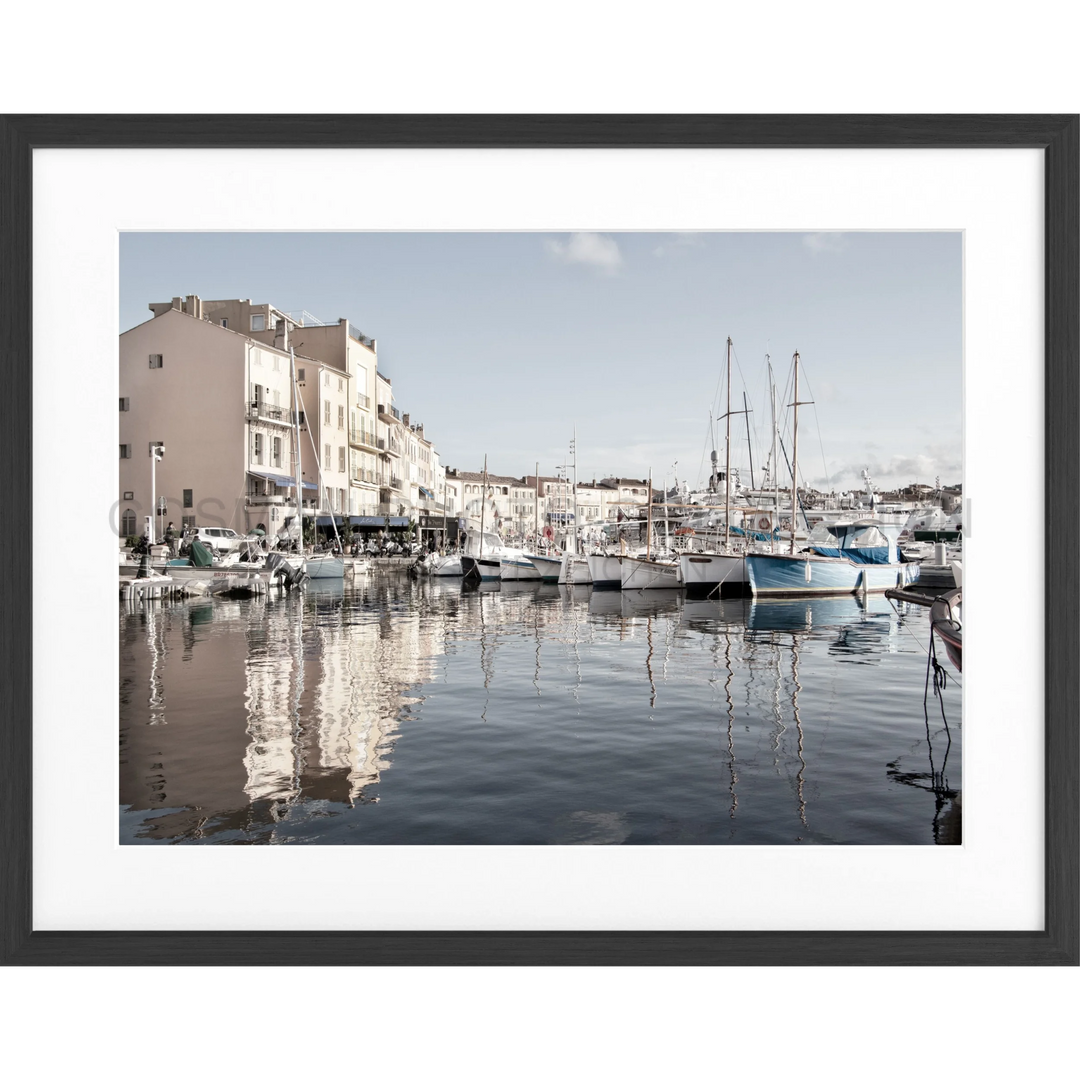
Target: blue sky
column 500, row 343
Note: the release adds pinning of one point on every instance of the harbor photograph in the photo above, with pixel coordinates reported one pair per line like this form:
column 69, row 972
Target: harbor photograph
column 520, row 538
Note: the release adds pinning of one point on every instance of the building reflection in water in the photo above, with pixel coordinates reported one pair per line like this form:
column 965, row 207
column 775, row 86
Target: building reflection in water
column 304, row 702
column 238, row 715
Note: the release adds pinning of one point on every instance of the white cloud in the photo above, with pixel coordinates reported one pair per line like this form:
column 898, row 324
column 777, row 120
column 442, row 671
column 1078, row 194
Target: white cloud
column 825, row 241
column 589, row 249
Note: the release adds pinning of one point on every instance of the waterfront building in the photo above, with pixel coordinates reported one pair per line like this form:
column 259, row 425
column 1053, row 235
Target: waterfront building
column 623, row 495
column 497, row 507
column 341, row 345
column 323, row 400
column 556, row 500
column 221, row 404
column 393, row 504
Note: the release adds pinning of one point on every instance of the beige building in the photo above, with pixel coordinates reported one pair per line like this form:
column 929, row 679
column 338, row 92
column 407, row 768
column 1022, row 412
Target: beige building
column 323, row 400
column 343, row 346
column 623, row 495
column 390, row 440
column 221, row 405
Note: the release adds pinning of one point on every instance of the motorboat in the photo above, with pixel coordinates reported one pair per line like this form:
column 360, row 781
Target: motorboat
column 946, row 620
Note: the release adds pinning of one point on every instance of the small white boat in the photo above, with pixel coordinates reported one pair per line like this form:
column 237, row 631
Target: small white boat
column 481, row 558
column 447, row 566
column 324, row 567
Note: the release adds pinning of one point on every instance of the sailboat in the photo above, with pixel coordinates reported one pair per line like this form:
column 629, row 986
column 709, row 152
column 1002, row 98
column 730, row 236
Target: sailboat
column 649, row 573
column 480, row 559
column 839, row 557
column 515, row 564
column 575, row 567
column 722, row 571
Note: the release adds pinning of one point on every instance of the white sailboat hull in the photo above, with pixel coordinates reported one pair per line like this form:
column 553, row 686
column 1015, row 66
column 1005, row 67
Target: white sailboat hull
column 548, row 566
column 574, row 570
column 517, row 567
column 606, row 571
column 708, row 572
column 646, row 574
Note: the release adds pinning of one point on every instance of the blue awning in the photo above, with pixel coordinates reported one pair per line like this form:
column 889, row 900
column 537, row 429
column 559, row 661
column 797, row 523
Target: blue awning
column 282, row 480
column 426, row 494
column 397, row 523
column 362, row 520
column 324, row 521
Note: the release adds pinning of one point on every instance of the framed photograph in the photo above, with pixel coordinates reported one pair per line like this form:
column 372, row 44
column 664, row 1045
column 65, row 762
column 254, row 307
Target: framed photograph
column 770, row 765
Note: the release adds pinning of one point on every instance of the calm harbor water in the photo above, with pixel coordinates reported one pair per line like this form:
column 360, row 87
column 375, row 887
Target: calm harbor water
column 418, row 712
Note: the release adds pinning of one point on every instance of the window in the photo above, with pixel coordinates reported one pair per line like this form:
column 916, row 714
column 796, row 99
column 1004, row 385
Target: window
column 277, row 362
column 127, row 523
column 340, row 385
column 225, row 323
column 258, row 448
column 326, row 455
column 125, row 450
column 300, row 375
column 326, row 413
column 156, row 360
column 188, row 501
column 341, row 417
column 326, row 378
column 341, row 459
column 258, row 322
column 129, row 495
column 277, row 452
column 125, row 404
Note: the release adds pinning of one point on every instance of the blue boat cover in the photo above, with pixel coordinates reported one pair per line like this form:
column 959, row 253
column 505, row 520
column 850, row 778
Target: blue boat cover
column 856, row 555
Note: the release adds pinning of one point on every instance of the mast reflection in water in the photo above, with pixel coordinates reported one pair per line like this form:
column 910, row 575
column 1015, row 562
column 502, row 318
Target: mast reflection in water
column 421, row 712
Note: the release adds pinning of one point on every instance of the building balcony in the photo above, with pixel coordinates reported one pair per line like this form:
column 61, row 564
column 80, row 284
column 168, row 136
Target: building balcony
column 269, row 500
column 260, row 410
column 363, row 401
column 362, row 438
column 392, row 483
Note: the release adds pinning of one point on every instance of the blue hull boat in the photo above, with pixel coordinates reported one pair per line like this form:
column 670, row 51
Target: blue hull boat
column 815, row 575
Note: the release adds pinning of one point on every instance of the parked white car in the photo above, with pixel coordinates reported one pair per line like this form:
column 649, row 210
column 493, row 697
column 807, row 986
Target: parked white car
column 222, row 541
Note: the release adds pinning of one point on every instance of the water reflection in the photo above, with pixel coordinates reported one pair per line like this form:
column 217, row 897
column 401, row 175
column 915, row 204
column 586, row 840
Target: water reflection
column 530, row 713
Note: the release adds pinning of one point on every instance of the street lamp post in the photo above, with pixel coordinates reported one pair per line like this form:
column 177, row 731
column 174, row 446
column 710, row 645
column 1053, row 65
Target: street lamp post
column 156, row 454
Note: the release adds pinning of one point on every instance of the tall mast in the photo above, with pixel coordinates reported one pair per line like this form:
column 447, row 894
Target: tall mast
column 775, row 471
column 573, row 452
column 296, row 422
column 749, row 444
column 483, row 500
column 536, row 511
column 727, row 458
column 648, row 533
column 795, row 457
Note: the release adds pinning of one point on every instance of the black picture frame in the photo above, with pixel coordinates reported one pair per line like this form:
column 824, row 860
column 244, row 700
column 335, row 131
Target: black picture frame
column 1058, row 136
